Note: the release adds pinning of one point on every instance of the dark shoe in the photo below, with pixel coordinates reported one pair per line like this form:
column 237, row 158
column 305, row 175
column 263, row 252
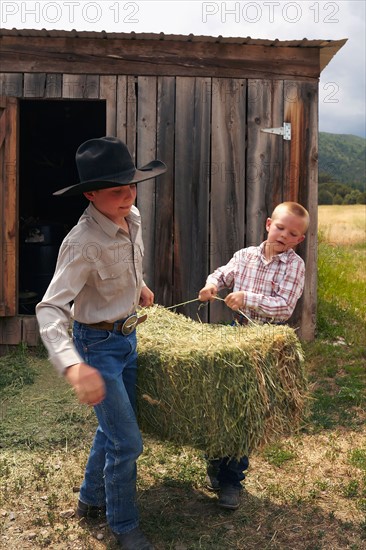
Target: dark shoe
column 229, row 497
column 133, row 540
column 90, row 512
column 212, row 482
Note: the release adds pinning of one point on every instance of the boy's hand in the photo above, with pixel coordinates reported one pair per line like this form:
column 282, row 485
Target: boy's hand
column 235, row 300
column 208, row 292
column 87, row 383
column 146, row 297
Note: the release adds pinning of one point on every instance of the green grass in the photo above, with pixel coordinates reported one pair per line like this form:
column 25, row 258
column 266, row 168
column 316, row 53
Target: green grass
column 15, row 371
column 315, row 478
column 338, row 355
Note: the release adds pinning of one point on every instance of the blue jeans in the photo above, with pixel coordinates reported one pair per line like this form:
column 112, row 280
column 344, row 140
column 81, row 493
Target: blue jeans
column 110, row 474
column 228, row 471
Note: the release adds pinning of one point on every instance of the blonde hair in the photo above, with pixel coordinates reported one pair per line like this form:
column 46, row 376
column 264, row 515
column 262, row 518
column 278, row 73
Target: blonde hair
column 295, row 209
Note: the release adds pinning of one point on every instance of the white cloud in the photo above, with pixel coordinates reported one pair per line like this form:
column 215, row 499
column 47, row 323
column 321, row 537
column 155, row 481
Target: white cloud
column 342, row 83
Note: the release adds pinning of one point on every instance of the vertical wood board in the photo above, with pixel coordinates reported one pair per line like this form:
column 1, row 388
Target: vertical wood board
column 80, row 86
column 131, row 115
column 9, row 206
column 34, row 85
column 121, row 108
column 145, row 152
column 53, row 86
column 164, row 218
column 227, row 212
column 302, row 186
column 264, row 156
column 108, row 91
column 192, row 159
column 11, row 84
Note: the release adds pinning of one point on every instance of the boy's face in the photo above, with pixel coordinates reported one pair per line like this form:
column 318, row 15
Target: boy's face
column 284, row 231
column 114, row 202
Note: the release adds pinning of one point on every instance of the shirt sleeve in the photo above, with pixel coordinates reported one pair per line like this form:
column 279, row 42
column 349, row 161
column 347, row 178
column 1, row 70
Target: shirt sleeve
column 224, row 276
column 281, row 304
column 54, row 311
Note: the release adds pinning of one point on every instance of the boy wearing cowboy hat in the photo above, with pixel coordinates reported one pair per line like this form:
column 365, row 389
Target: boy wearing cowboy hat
column 99, row 272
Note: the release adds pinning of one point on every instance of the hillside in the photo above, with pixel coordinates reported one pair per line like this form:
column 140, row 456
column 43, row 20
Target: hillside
column 343, row 157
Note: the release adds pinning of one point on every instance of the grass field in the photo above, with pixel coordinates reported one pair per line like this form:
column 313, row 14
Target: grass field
column 343, row 224
column 307, row 491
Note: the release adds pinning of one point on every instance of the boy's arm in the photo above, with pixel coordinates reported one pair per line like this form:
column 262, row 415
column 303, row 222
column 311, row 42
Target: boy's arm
column 53, row 312
column 222, row 277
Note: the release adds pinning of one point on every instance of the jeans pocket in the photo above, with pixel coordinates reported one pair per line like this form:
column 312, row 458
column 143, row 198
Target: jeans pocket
column 100, row 338
column 90, row 340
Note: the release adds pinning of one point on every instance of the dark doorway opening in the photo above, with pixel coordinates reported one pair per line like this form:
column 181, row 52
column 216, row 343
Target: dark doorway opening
column 50, row 133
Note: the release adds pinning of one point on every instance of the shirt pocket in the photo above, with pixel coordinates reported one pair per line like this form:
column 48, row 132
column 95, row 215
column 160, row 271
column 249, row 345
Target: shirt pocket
column 113, row 279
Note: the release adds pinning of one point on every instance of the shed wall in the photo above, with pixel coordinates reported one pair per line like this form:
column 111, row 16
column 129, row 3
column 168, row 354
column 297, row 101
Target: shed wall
column 224, row 175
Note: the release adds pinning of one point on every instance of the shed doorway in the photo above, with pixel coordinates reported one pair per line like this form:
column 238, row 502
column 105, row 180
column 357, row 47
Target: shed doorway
column 50, row 133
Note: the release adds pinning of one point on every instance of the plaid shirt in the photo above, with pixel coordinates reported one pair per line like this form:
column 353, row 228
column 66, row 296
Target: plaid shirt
column 271, row 288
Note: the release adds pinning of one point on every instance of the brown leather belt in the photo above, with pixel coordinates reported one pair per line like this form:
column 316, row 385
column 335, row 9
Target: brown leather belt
column 125, row 327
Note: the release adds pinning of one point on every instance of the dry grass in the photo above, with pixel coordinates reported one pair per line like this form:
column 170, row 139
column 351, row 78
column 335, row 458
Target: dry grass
column 221, row 389
column 307, row 491
column 342, row 224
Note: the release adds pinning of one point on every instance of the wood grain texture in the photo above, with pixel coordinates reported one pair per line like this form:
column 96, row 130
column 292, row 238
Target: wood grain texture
column 153, row 57
column 9, row 207
column 264, row 156
column 228, row 172
column 145, row 152
column 191, row 198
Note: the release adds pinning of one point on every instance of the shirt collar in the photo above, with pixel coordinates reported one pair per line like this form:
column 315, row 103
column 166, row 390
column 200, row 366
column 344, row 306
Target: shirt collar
column 109, row 227
column 283, row 257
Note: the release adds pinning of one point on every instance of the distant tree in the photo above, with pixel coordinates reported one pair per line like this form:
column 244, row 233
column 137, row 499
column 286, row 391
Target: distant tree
column 325, row 177
column 325, row 197
column 337, row 199
column 354, row 197
column 335, row 188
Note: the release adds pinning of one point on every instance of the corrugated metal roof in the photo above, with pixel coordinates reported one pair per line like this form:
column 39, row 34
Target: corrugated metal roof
column 328, row 47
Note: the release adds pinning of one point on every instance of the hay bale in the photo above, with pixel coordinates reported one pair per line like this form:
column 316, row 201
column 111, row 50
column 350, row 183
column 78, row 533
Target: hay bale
column 221, row 389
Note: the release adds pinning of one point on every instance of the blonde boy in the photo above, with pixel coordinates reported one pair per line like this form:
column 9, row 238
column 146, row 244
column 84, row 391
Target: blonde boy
column 266, row 283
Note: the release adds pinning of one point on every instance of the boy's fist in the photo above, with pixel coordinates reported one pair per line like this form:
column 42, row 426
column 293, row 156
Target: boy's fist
column 208, row 292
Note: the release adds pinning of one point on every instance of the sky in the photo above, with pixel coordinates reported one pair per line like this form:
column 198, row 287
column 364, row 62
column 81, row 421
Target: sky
column 342, row 83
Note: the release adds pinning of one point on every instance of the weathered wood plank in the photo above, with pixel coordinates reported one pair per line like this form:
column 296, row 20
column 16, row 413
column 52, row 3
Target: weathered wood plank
column 30, row 331
column 121, row 108
column 9, row 210
column 155, row 57
column 53, row 86
column 145, row 152
column 301, row 185
column 164, row 217
column 10, row 330
column 11, row 84
column 3, row 244
column 108, row 91
column 34, row 85
column 191, row 199
column 264, row 156
column 131, row 115
column 227, row 177
column 80, row 86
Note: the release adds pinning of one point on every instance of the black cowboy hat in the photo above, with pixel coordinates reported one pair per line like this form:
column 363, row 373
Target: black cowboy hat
column 106, row 162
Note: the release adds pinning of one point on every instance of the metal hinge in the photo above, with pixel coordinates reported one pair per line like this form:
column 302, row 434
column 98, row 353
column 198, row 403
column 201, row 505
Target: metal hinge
column 284, row 131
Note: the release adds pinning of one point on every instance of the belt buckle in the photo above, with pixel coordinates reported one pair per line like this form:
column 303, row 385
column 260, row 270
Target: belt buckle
column 129, row 325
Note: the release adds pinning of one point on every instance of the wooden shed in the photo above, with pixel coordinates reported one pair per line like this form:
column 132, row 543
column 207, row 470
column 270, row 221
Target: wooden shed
column 234, row 119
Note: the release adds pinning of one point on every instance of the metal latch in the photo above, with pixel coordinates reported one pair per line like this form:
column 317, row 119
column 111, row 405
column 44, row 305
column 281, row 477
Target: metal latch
column 284, row 131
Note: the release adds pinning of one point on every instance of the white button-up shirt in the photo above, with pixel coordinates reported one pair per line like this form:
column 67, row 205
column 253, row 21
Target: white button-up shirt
column 98, row 277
